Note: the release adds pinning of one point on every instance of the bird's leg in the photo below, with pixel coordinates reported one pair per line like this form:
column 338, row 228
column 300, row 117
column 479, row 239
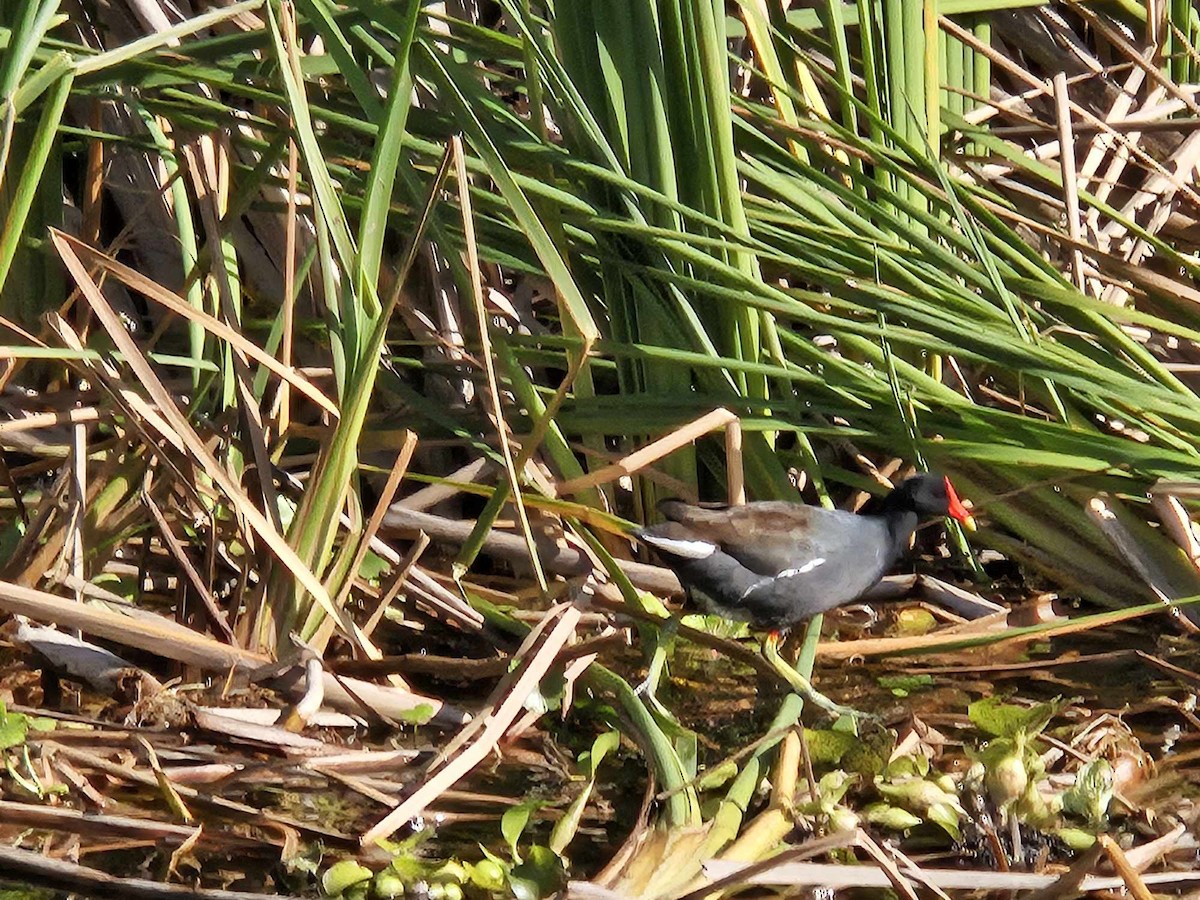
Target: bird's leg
column 661, row 641
column 800, row 684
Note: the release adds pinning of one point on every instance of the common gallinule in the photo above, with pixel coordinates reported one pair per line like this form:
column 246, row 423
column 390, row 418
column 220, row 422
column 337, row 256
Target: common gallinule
column 774, row 564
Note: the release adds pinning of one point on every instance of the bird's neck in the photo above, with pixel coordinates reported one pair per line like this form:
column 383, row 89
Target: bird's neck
column 901, row 523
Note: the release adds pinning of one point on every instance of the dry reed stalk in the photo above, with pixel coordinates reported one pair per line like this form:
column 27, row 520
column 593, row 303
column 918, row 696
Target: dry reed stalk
column 639, row 459
column 537, row 654
column 191, row 443
column 73, row 878
column 162, row 637
column 151, row 290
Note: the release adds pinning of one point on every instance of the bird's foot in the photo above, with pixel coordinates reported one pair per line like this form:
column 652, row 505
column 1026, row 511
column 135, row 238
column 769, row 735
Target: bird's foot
column 661, row 640
column 837, row 710
column 807, row 692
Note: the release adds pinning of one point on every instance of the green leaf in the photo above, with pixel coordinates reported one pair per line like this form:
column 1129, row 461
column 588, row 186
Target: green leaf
column 947, row 817
column 489, row 874
column 916, row 794
column 343, row 875
column 514, row 822
column 409, row 867
column 372, row 567
column 601, row 747
column 566, row 827
column 418, row 715
column 13, row 728
column 903, row 685
column 911, row 765
column 10, row 536
column 999, row 719
column 826, row 747
column 917, row 620
column 1092, row 792
column 711, row 779
column 1075, row 838
column 894, row 818
column 541, row 875
column 833, row 787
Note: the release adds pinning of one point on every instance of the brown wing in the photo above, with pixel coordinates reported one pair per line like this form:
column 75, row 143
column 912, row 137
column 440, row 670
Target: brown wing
column 771, row 536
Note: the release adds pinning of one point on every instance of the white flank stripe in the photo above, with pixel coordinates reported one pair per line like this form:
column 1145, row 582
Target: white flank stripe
column 754, row 587
column 686, row 549
column 804, row 569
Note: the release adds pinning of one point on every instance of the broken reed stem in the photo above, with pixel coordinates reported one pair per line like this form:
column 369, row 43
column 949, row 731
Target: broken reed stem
column 651, row 453
column 735, row 469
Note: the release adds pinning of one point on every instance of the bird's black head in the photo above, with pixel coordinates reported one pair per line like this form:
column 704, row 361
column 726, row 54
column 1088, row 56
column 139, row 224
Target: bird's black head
column 928, row 495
